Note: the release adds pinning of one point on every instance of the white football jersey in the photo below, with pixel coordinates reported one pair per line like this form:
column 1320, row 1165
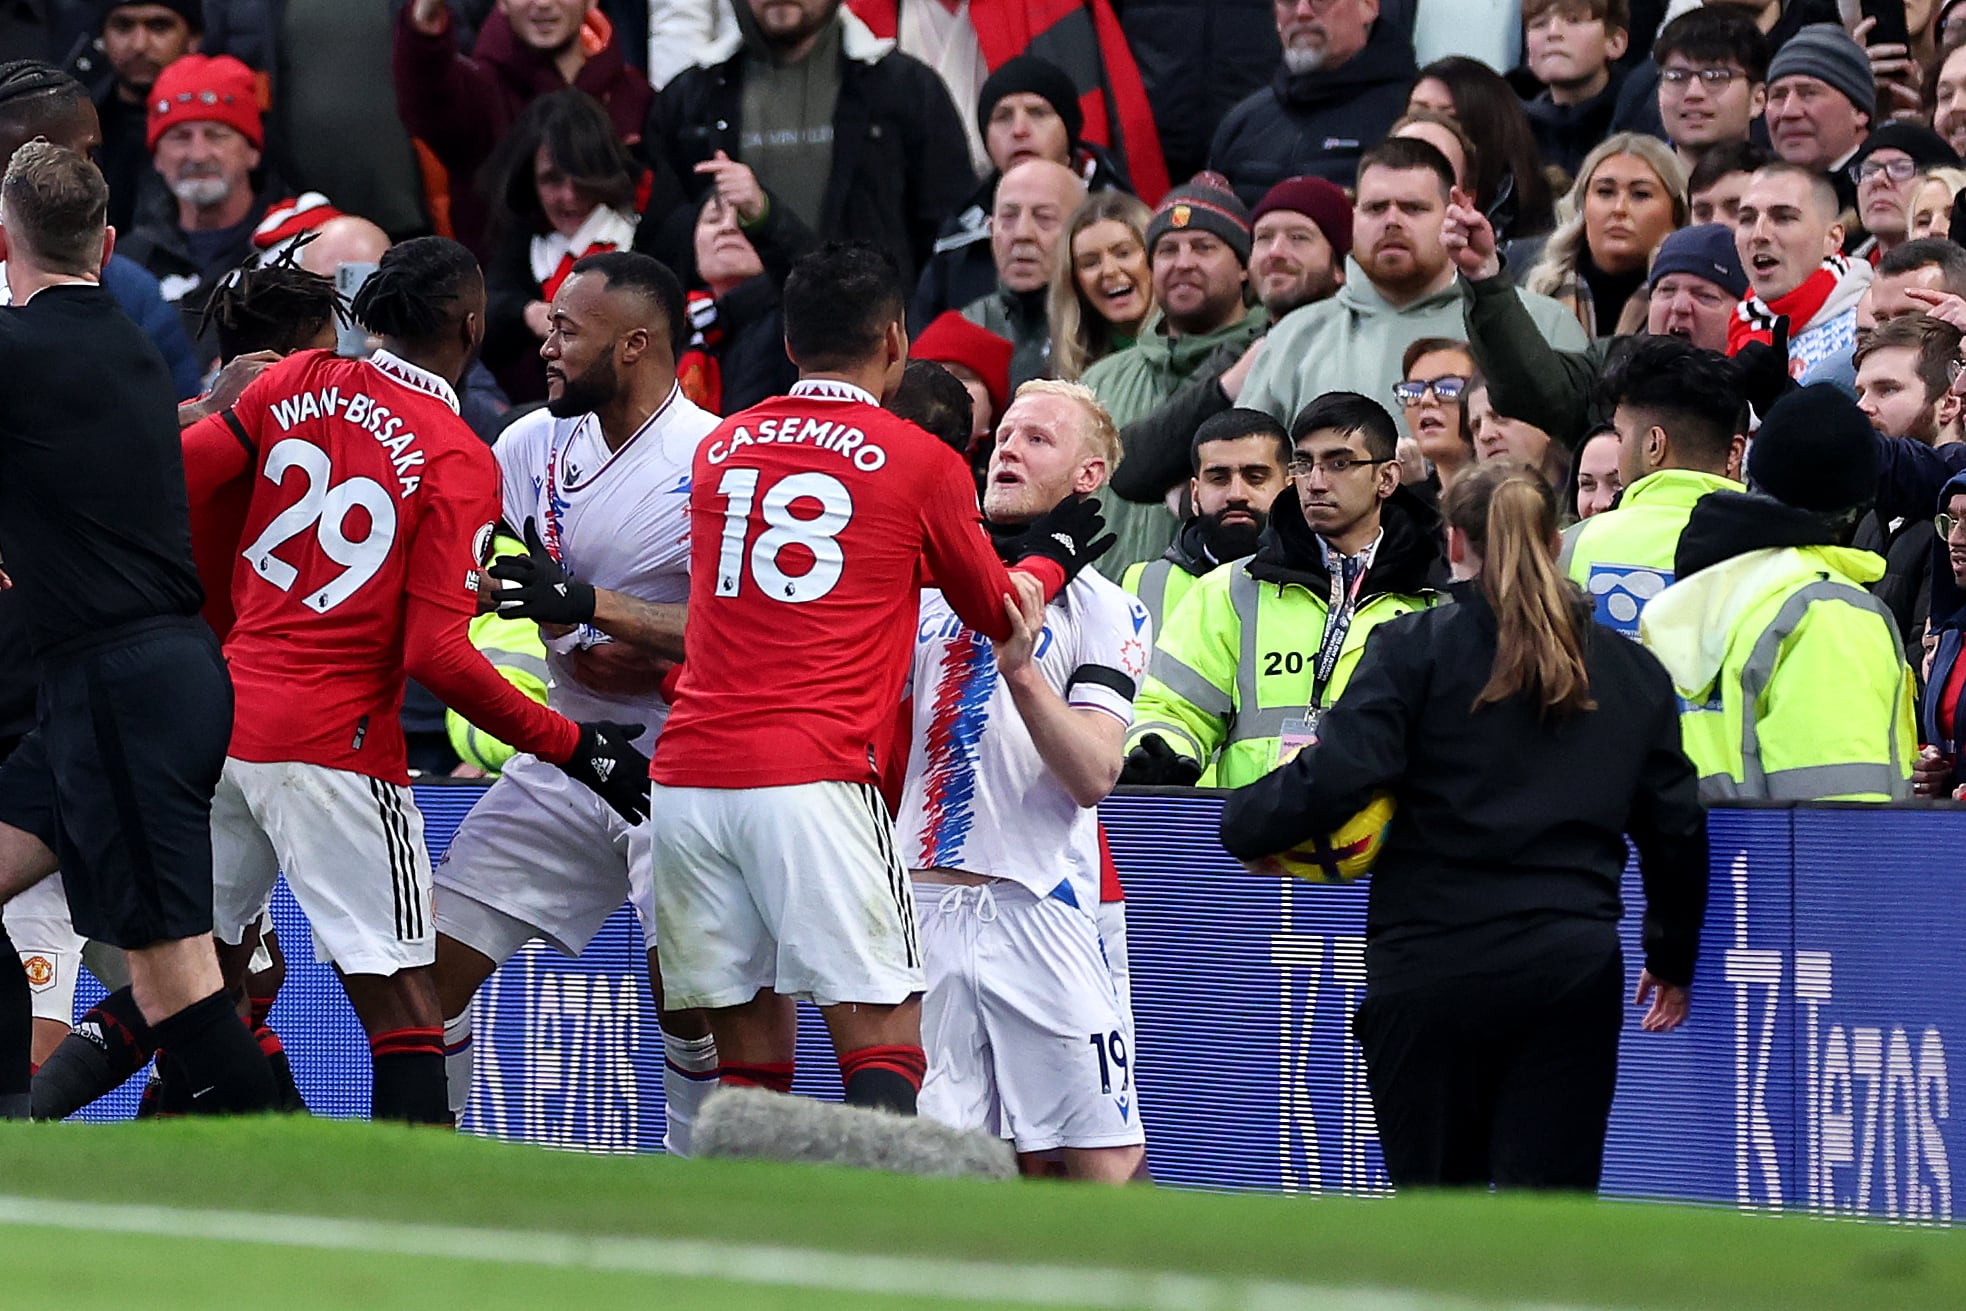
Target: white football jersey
column 977, row 797
column 618, row 520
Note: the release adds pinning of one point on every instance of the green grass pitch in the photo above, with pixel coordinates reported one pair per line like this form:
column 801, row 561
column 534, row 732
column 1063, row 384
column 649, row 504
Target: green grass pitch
column 302, row 1213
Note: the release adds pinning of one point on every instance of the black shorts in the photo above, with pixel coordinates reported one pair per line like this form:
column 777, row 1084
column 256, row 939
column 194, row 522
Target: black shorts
column 117, row 777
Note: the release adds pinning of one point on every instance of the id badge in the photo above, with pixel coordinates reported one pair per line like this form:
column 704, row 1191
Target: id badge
column 1296, row 735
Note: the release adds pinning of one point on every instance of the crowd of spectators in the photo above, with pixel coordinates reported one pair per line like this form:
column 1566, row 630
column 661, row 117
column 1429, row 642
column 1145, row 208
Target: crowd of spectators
column 1459, row 210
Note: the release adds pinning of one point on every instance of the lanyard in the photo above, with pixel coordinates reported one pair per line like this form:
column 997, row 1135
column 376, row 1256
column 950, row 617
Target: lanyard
column 1337, row 624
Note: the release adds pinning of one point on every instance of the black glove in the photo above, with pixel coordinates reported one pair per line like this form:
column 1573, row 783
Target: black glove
column 545, row 592
column 1068, row 533
column 617, row 772
column 1763, row 369
column 1157, row 764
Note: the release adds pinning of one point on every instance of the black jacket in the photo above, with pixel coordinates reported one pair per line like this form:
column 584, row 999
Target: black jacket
column 1509, row 838
column 900, row 157
column 1197, row 59
column 1315, row 123
column 158, row 244
column 750, row 318
column 1408, row 561
column 1566, row 133
column 962, row 269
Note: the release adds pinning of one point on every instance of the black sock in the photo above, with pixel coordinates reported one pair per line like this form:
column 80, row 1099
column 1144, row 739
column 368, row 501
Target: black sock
column 16, row 1034
column 226, row 1072
column 108, row 1044
column 409, row 1082
column 884, row 1078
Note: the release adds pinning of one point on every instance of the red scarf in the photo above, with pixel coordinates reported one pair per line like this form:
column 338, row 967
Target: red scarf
column 1117, row 114
column 1754, row 318
column 698, row 372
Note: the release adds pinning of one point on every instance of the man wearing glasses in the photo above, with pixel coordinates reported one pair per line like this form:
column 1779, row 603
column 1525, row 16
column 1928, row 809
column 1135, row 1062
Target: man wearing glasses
column 1257, row 651
column 1712, row 69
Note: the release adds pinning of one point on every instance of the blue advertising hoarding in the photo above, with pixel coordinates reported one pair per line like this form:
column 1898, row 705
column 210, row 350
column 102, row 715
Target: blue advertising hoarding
column 1812, row 1076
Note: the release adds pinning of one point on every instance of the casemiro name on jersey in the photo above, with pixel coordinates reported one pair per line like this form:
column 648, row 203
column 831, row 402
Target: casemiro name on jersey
column 843, row 439
column 362, row 410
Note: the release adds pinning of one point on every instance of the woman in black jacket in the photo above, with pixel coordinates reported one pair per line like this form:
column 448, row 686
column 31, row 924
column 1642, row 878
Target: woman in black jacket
column 1522, row 744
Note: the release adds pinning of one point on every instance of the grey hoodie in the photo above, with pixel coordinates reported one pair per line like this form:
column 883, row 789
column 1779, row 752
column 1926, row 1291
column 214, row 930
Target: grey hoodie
column 1354, row 341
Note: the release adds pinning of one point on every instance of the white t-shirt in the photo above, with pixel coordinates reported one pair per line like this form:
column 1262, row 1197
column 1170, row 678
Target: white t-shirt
column 977, row 797
column 617, row 520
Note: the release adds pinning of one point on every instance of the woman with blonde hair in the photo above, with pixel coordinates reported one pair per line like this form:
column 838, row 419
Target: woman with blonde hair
column 1102, row 293
column 1521, row 743
column 1931, row 201
column 1629, row 196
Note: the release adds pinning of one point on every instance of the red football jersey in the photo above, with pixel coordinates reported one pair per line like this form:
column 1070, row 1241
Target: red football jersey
column 367, row 491
column 814, row 520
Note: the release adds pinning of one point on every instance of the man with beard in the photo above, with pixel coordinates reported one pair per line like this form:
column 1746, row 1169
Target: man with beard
column 1301, row 233
column 1034, row 202
column 1400, row 286
column 205, row 137
column 598, row 483
column 1259, row 649
column 1344, row 80
column 139, row 41
column 859, row 140
column 1197, row 250
column 1239, row 457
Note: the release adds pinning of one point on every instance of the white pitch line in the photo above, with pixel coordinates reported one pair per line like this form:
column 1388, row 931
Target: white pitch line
column 1102, row 1289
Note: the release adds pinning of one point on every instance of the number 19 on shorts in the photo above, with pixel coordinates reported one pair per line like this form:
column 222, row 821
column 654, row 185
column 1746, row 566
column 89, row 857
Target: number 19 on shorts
column 1113, row 1074
column 815, row 536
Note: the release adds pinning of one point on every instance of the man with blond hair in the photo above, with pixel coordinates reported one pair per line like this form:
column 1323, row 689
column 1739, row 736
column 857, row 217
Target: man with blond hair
column 1013, row 744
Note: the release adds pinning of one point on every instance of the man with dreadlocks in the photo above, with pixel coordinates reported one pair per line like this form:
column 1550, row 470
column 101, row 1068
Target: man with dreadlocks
column 368, row 494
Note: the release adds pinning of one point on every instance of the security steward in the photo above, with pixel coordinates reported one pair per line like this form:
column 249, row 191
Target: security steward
column 1258, row 650
column 1679, row 417
column 1793, row 674
column 1521, row 744
column 1238, row 459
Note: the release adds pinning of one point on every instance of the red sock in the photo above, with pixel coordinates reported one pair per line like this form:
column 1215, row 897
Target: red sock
column 269, row 1041
column 773, row 1077
column 887, row 1077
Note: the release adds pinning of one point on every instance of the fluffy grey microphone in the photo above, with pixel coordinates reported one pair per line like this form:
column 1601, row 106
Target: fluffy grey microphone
column 754, row 1125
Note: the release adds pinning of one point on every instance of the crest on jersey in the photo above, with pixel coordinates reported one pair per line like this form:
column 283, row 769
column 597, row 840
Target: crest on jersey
column 481, row 542
column 40, row 972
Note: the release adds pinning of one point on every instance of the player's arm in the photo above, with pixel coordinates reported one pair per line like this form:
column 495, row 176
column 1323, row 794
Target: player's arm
column 217, row 450
column 539, row 588
column 227, row 387
column 1080, row 745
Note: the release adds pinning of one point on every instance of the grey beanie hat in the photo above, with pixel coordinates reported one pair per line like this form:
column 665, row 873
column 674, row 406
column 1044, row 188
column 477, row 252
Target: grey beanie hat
column 1826, row 52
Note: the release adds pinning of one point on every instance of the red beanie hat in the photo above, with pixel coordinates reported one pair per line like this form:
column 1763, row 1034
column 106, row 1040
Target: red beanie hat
column 1322, row 202
column 953, row 339
column 198, row 89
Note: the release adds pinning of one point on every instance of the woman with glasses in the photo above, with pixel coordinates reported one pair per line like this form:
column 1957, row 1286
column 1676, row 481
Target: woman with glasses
column 1629, row 196
column 1433, row 404
column 1886, row 171
column 1522, row 744
column 1942, row 715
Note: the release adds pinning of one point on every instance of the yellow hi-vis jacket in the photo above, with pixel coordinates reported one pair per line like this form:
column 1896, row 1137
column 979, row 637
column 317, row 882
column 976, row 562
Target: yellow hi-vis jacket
column 1236, row 662
column 1792, row 674
column 515, row 650
column 1624, row 557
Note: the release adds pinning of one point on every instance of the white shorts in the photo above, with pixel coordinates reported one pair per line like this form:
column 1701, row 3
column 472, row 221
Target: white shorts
column 1024, row 1033
column 351, row 847
column 541, row 856
column 797, row 889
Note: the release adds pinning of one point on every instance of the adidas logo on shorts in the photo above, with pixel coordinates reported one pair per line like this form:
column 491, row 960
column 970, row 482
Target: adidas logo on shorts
column 93, row 1032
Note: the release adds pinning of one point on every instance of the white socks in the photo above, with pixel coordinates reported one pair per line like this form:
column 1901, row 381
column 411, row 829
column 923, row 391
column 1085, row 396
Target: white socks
column 689, row 1073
